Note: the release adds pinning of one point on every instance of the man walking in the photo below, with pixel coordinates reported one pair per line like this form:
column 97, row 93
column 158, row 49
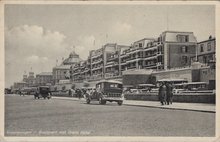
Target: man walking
column 162, row 93
column 169, row 93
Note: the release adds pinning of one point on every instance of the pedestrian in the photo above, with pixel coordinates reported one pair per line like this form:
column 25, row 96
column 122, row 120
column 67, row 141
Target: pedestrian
column 171, row 93
column 78, row 91
column 168, row 92
column 162, row 93
column 69, row 92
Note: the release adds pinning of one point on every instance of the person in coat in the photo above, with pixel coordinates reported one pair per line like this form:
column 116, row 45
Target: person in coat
column 169, row 93
column 162, row 93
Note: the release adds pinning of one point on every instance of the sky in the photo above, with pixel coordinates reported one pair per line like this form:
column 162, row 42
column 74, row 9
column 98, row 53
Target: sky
column 38, row 35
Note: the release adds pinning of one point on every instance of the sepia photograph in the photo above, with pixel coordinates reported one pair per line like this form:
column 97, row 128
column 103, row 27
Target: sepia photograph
column 109, row 70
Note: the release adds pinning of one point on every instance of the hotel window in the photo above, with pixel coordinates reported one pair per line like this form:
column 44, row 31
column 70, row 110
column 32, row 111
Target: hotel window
column 184, row 59
column 208, row 46
column 182, row 38
column 184, row 49
column 201, row 48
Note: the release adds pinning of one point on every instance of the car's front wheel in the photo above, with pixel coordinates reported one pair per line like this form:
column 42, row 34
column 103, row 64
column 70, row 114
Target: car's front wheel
column 120, row 103
column 101, row 101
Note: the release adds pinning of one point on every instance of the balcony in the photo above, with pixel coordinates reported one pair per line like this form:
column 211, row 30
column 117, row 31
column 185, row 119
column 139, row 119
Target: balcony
column 113, row 57
column 111, row 64
column 150, row 58
column 134, row 60
column 150, row 55
column 131, row 51
column 97, row 61
column 97, row 67
column 150, row 48
column 95, row 77
column 97, row 55
column 111, row 75
column 131, row 67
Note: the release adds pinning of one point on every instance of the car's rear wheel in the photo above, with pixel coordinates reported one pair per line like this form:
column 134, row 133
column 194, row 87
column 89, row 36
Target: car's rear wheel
column 88, row 101
column 120, row 103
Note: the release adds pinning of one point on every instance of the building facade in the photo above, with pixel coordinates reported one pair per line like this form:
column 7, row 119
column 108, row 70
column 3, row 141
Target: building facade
column 44, row 78
column 101, row 63
column 171, row 49
column 206, row 51
column 19, row 85
column 31, row 80
column 63, row 71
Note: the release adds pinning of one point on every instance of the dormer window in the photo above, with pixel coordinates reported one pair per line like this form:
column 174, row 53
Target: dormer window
column 182, row 38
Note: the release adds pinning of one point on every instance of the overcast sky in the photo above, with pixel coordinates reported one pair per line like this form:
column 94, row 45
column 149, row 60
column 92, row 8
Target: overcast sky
column 37, row 35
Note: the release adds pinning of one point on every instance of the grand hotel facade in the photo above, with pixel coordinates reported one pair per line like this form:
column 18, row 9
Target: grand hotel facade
column 171, row 49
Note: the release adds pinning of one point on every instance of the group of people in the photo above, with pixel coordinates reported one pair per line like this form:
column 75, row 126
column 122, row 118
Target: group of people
column 77, row 92
column 166, row 93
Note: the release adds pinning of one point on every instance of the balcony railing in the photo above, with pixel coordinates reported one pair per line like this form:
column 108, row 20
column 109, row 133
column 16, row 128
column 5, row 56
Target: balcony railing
column 151, row 55
column 111, row 75
column 97, row 61
column 97, row 68
column 150, row 48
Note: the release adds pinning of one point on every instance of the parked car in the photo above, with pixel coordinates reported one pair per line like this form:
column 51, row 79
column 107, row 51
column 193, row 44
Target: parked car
column 43, row 92
column 106, row 90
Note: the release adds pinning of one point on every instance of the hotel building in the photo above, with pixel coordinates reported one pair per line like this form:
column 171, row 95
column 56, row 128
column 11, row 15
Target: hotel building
column 44, row 78
column 171, row 49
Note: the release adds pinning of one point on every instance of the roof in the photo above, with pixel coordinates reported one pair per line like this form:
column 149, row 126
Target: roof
column 195, row 83
column 172, row 79
column 110, row 81
column 138, row 72
column 148, row 85
column 45, row 73
column 72, row 59
column 128, row 86
column 62, row 67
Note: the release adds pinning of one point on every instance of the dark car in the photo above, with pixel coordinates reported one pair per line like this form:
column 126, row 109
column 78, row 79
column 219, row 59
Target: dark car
column 106, row 90
column 43, row 92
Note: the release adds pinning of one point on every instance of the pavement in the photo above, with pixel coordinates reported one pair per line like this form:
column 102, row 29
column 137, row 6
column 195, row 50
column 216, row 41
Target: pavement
column 201, row 107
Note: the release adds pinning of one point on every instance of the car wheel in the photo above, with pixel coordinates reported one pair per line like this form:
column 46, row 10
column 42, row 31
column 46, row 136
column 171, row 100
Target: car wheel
column 120, row 103
column 103, row 102
column 88, row 101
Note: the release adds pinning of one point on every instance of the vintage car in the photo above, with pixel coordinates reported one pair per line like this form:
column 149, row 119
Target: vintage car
column 106, row 90
column 43, row 92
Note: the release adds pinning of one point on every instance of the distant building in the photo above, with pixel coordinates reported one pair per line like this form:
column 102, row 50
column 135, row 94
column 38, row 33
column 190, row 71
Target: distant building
column 19, row 85
column 62, row 71
column 44, row 78
column 31, row 80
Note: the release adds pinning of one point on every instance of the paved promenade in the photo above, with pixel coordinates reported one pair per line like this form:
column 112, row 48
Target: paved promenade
column 202, row 107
